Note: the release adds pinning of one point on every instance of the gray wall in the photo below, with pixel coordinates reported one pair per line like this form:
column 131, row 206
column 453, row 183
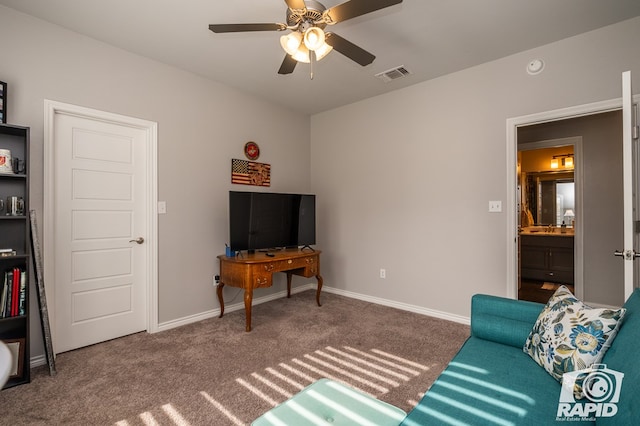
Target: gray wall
column 405, row 178
column 602, row 198
column 201, row 126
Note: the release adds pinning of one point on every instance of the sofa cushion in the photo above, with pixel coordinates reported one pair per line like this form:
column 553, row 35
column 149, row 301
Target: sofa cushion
column 570, row 336
column 502, row 320
column 489, row 383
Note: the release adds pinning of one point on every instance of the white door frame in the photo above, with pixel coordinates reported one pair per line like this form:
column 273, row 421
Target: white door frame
column 512, row 153
column 629, row 149
column 51, row 108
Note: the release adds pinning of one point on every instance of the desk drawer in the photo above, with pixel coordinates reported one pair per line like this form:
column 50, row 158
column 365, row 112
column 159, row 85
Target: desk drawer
column 291, row 264
column 262, row 279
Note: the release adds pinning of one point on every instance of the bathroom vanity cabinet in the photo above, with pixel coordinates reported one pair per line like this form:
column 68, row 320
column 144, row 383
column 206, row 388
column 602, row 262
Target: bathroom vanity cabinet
column 547, row 257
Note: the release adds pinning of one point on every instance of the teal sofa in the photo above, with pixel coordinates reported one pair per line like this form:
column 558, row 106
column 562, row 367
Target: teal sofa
column 490, row 381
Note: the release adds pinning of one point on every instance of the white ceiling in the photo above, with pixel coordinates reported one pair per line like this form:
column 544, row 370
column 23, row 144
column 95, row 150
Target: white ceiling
column 429, row 37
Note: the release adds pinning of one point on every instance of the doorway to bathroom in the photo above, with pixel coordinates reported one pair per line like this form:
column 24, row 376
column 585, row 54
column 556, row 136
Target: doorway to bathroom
column 549, row 194
column 597, row 221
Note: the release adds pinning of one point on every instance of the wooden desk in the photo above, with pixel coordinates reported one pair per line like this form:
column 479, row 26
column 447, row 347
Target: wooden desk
column 250, row 271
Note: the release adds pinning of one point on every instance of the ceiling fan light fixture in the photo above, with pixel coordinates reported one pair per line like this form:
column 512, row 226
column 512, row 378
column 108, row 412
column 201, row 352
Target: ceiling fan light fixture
column 323, row 51
column 302, row 54
column 314, row 38
column 291, row 42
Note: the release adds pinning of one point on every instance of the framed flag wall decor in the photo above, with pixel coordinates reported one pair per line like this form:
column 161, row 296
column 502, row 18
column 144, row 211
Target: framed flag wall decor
column 245, row 172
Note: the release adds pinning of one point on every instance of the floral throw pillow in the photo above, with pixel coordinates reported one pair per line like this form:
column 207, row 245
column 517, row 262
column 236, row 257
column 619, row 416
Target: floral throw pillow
column 570, row 335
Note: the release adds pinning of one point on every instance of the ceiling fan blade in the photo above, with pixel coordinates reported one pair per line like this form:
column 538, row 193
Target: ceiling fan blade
column 295, row 4
column 234, row 28
column 348, row 49
column 353, row 8
column 288, row 65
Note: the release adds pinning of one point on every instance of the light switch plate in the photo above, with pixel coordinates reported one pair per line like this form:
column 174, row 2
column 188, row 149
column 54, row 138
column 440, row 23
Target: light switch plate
column 495, row 206
column 162, row 207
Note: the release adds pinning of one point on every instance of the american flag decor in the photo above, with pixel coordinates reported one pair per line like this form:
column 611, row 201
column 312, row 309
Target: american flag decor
column 250, row 173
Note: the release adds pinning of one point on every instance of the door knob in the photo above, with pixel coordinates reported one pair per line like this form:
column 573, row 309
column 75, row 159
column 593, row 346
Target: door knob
column 627, row 254
column 138, row 240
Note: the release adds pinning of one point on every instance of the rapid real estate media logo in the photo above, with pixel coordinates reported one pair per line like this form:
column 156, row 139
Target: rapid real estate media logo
column 589, row 393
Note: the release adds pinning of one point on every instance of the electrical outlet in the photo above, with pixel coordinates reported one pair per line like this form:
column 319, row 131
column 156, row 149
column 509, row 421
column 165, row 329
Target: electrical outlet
column 216, row 280
column 383, row 273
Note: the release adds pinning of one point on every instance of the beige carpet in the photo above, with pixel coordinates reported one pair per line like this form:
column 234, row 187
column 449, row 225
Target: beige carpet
column 214, row 373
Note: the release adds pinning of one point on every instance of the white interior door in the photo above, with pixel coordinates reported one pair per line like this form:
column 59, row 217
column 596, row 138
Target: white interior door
column 100, row 223
column 629, row 133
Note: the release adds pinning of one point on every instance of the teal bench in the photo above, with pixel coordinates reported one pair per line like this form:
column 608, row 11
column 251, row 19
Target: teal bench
column 327, row 402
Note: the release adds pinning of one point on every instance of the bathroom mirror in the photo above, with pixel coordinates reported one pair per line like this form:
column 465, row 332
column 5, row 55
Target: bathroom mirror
column 550, row 198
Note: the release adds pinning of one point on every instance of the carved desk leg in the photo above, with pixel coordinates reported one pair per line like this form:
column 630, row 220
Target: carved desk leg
column 220, row 299
column 289, row 275
column 319, row 278
column 248, row 298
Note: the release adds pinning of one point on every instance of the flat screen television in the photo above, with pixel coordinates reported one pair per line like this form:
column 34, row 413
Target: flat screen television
column 266, row 220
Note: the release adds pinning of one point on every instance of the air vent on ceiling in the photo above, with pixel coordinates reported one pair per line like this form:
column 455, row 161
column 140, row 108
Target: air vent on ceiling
column 393, row 74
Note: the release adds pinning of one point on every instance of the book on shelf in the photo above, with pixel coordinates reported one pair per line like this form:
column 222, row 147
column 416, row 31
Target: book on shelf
column 13, row 293
column 7, row 252
column 22, row 296
column 4, row 295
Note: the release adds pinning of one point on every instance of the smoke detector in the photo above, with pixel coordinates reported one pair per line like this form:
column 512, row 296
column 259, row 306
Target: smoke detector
column 535, row 66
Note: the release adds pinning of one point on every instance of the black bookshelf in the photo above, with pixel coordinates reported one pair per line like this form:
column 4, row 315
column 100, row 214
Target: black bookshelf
column 15, row 250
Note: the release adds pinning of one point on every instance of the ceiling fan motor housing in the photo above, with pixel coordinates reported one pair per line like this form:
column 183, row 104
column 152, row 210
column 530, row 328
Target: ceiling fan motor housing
column 312, row 16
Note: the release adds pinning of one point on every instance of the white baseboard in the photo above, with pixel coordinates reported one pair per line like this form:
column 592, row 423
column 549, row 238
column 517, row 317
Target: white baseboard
column 230, row 308
column 399, row 305
column 379, row 301
column 39, row 360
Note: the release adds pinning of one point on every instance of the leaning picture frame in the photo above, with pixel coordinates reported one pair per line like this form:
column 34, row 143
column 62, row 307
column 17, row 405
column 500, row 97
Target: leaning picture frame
column 42, row 298
column 16, row 347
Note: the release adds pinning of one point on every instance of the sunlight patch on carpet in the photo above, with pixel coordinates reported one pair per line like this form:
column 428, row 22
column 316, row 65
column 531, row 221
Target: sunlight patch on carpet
column 370, row 364
column 174, row 415
column 359, row 369
column 341, row 371
column 148, row 419
column 414, row 402
column 297, row 372
column 389, row 363
column 373, row 372
column 286, row 379
column 222, row 409
column 397, row 358
column 257, row 392
column 271, row 385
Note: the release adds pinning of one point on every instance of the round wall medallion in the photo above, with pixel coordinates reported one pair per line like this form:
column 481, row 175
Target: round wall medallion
column 252, row 150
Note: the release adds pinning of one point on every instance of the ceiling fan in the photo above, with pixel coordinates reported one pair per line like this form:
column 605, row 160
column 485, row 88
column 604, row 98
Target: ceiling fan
column 307, row 42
